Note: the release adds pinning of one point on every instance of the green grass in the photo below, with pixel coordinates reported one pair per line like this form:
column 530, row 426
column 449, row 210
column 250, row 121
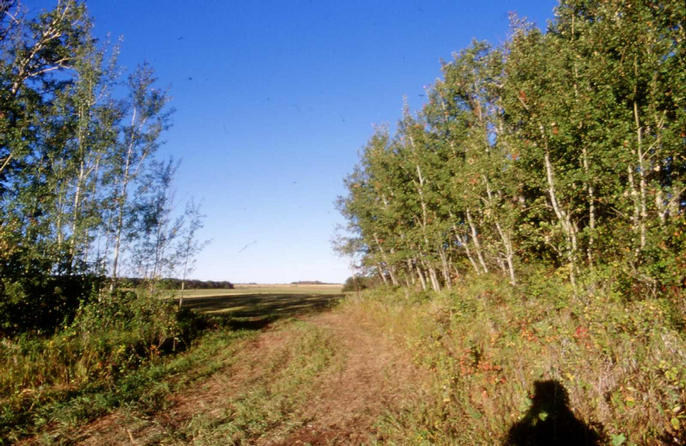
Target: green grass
column 144, row 389
column 484, row 349
column 130, row 348
column 264, row 303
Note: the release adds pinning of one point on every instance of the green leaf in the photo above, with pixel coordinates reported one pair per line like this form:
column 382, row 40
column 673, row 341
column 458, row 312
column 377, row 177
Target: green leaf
column 675, row 423
column 618, row 440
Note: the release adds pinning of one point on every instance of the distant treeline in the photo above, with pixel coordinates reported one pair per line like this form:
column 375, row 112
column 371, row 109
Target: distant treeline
column 311, row 282
column 175, row 284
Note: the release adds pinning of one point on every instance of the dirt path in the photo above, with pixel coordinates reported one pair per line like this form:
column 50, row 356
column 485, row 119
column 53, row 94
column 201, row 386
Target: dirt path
column 365, row 376
column 376, row 377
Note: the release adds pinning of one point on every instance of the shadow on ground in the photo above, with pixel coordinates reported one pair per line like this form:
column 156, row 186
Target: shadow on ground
column 256, row 310
column 550, row 421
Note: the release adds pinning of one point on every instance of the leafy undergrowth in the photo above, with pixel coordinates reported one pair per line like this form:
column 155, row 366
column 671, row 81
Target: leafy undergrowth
column 115, row 353
column 503, row 360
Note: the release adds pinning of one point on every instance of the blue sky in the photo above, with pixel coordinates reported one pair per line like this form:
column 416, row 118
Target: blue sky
column 273, row 101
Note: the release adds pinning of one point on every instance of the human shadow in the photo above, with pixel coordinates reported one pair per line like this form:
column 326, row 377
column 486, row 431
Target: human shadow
column 550, row 421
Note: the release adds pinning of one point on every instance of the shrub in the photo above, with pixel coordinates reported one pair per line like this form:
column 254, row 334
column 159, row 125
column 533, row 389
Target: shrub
column 621, row 363
column 110, row 335
column 40, row 304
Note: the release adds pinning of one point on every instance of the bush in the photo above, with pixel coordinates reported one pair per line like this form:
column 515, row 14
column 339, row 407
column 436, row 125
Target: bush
column 41, row 304
column 359, row 283
column 110, row 335
column 487, row 345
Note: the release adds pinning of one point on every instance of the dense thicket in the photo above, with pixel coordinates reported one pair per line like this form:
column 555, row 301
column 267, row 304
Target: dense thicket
column 564, row 149
column 82, row 196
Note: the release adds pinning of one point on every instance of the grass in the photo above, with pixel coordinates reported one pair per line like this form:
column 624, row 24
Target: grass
column 125, row 349
column 273, row 289
column 270, row 402
column 143, row 389
column 496, row 365
column 619, row 367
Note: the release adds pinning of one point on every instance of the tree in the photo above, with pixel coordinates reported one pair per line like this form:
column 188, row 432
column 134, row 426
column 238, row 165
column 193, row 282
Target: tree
column 139, row 141
column 561, row 148
column 189, row 246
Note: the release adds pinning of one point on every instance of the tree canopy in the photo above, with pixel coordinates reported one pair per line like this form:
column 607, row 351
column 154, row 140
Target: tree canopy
column 563, row 148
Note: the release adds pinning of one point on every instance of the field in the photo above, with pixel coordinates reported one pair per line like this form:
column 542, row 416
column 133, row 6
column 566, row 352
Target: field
column 137, row 358
column 255, row 289
column 258, row 302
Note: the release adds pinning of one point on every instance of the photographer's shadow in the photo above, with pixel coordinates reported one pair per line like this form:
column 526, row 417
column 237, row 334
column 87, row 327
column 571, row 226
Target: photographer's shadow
column 550, row 421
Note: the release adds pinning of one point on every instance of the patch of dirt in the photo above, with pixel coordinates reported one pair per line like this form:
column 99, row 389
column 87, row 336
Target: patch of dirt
column 372, row 376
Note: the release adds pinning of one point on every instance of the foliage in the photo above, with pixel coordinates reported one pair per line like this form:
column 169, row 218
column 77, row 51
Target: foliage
column 82, row 196
column 359, row 283
column 41, row 304
column 485, row 344
column 113, row 340
column 561, row 148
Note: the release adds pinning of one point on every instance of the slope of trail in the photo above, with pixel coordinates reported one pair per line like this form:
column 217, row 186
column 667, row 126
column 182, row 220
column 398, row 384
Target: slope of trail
column 270, row 393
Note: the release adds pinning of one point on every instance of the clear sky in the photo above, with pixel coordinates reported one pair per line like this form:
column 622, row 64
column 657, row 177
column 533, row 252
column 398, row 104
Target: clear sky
column 273, row 101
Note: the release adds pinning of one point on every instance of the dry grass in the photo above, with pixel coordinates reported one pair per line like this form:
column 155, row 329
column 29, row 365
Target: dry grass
column 323, row 378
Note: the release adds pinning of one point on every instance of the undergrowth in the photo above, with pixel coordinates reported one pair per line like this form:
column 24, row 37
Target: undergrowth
column 114, row 353
column 499, row 364
column 489, row 346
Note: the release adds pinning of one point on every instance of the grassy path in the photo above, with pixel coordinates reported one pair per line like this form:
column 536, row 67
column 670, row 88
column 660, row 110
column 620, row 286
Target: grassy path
column 321, row 378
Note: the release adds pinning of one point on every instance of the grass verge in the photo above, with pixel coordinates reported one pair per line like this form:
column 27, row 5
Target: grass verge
column 269, row 403
column 497, row 354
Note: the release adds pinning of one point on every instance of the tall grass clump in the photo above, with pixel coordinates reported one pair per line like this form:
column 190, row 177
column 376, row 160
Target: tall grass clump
column 619, row 365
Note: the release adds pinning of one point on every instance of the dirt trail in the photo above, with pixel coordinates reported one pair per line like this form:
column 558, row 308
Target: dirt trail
column 376, row 377
column 370, row 375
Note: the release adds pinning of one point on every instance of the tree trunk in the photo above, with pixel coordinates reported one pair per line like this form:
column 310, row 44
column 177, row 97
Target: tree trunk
column 422, row 280
column 381, row 273
column 444, row 268
column 477, row 243
column 389, row 266
column 562, row 216
column 432, row 275
column 504, row 236
column 642, row 178
column 590, row 193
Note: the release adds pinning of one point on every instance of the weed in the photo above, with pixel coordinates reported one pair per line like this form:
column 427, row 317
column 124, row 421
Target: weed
column 622, row 363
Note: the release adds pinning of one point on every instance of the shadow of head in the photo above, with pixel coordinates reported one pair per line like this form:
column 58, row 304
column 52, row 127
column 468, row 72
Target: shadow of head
column 550, row 421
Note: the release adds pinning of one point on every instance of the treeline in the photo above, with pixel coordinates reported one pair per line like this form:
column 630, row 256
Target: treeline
column 563, row 148
column 83, row 195
column 169, row 283
column 311, row 282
